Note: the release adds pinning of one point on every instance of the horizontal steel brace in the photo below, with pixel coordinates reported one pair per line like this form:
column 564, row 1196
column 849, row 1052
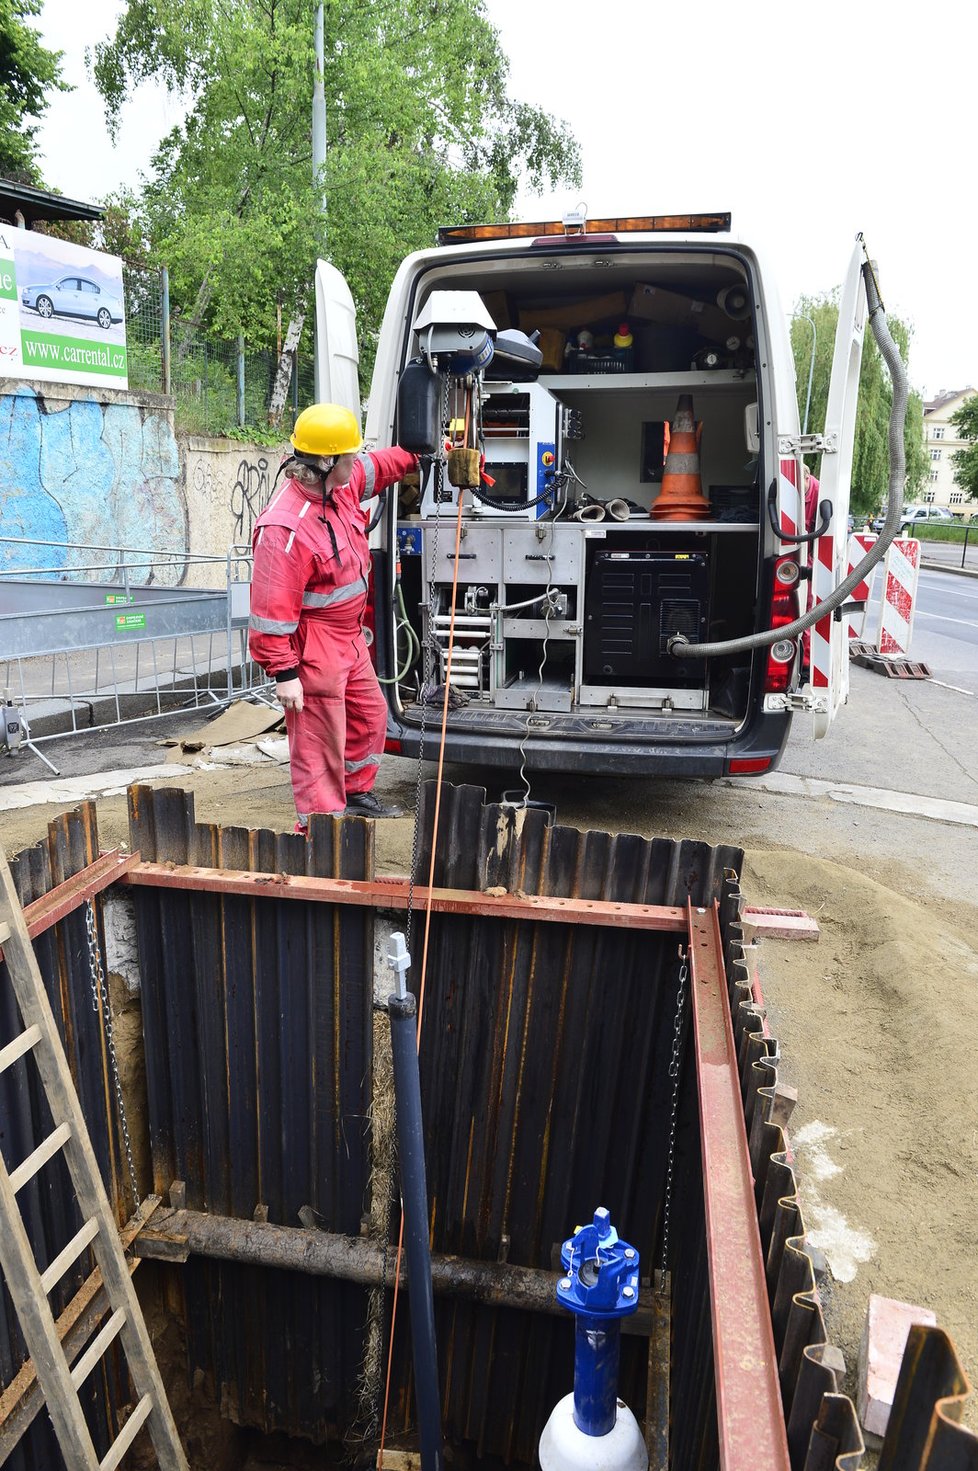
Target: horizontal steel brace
column 394, row 894
column 65, row 898
column 173, row 1235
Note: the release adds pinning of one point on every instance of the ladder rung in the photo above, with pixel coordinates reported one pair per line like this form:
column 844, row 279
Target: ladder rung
column 128, row 1434
column 18, row 1047
column 70, row 1254
column 29, row 1167
column 97, row 1348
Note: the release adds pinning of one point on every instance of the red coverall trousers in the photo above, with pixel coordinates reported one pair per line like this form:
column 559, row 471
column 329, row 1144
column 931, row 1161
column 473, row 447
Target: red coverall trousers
column 308, row 594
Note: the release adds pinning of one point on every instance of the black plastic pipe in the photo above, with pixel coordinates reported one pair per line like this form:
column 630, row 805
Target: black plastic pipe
column 402, row 1009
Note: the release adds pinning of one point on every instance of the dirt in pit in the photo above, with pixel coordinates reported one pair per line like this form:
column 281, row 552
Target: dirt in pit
column 878, row 1028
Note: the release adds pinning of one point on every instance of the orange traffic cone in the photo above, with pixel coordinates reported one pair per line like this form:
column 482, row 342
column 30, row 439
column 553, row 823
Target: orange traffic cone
column 681, row 497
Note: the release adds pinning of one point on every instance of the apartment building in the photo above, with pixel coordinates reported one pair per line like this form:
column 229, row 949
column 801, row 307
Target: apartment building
column 941, row 442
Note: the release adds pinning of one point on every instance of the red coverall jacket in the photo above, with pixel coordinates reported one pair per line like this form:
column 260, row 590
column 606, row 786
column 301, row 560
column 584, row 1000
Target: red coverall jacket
column 308, row 594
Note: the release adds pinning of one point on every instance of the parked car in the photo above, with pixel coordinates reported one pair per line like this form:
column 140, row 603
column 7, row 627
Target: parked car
column 925, row 516
column 74, row 296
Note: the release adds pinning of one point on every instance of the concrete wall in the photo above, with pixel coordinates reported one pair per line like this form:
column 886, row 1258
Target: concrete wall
column 109, row 469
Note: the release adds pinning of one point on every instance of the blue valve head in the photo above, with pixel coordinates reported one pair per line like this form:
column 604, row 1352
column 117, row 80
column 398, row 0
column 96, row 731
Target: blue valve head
column 601, row 1272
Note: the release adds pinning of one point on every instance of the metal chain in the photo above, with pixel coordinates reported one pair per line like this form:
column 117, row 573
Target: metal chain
column 674, row 1069
column 100, row 1002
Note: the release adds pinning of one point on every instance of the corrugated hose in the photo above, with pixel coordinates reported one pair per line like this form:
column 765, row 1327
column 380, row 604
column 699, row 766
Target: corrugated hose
column 681, row 648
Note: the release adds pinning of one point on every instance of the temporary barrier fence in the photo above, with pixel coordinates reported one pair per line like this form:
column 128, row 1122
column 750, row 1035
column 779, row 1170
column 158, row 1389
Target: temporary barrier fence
column 122, row 640
column 899, row 596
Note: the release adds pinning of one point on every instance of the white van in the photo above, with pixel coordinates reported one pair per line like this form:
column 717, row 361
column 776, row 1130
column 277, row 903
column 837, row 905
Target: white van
column 566, row 578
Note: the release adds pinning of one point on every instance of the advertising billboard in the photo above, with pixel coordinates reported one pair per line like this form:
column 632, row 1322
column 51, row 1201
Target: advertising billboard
column 62, row 312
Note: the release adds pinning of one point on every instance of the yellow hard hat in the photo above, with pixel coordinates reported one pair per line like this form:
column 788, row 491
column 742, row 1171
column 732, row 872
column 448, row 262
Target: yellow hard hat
column 326, row 429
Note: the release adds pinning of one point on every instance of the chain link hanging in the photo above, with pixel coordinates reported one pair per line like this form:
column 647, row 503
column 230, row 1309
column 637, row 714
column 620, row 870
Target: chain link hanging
column 675, row 1063
column 100, row 1003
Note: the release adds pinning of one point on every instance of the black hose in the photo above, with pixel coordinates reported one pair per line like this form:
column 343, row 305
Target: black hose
column 402, row 1009
column 681, row 648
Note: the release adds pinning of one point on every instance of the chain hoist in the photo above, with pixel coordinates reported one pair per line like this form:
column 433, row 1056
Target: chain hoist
column 100, row 1003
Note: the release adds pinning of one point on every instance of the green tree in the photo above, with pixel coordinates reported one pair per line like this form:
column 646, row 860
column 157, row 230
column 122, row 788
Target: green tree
column 870, row 461
column 965, row 461
column 420, row 130
column 29, row 72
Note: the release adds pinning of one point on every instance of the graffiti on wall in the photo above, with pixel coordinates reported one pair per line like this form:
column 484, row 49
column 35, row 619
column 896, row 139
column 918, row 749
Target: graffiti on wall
column 249, row 497
column 100, row 474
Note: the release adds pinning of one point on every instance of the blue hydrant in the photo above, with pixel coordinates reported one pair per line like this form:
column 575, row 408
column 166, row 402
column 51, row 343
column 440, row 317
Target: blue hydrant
column 590, row 1427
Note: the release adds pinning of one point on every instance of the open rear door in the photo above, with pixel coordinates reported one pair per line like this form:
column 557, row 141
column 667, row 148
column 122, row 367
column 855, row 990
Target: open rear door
column 830, row 641
column 337, row 354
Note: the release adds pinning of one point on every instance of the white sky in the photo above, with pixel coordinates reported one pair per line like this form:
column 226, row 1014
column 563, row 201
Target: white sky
column 807, row 123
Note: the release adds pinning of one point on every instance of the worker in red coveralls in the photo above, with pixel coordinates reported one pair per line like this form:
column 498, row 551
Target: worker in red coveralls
column 308, row 594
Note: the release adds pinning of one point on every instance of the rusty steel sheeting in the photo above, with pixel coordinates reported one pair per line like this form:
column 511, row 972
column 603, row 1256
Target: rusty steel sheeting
column 545, row 1089
column 257, row 1020
column 47, row 1202
column 923, row 1431
column 751, row 1419
column 393, row 894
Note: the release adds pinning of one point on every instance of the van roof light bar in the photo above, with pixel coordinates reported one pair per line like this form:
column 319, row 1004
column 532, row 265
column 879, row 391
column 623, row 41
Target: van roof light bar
column 573, row 227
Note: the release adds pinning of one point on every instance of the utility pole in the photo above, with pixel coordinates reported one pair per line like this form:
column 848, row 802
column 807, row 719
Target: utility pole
column 319, row 150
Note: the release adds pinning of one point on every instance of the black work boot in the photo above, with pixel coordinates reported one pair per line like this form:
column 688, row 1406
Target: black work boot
column 365, row 804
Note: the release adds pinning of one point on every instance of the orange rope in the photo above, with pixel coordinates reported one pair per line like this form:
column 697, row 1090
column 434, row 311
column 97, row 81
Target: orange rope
column 427, row 924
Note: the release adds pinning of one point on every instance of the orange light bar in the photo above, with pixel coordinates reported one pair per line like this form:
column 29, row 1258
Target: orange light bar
column 692, row 224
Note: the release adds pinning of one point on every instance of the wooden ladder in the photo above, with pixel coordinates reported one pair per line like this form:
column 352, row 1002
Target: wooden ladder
column 28, row 1286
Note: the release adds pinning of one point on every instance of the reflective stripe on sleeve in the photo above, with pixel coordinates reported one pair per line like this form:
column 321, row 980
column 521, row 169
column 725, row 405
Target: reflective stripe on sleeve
column 339, row 595
column 369, row 476
column 270, row 625
column 352, row 766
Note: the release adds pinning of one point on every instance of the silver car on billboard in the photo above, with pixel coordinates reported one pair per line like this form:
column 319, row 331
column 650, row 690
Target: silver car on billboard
column 74, row 296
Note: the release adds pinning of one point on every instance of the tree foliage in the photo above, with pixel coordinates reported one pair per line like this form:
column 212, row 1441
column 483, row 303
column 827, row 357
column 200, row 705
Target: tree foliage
column 965, row 461
column 870, row 462
column 29, row 72
column 420, row 131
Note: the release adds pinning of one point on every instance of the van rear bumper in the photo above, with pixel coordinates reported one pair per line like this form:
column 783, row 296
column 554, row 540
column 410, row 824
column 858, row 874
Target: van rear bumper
column 761, row 745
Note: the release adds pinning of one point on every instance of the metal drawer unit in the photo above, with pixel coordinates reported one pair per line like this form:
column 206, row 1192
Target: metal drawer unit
column 480, row 555
column 544, row 553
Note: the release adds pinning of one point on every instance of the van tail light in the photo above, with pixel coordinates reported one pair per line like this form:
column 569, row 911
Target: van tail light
column 783, row 610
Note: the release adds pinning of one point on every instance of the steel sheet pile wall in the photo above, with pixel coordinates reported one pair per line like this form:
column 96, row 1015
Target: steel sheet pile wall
column 50, row 1213
column 258, row 1022
column 546, row 1090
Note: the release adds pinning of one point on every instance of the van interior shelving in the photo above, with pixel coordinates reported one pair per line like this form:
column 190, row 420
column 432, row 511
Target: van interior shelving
column 595, row 651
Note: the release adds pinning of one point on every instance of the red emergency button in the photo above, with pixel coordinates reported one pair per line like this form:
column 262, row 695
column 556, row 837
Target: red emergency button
column 547, row 458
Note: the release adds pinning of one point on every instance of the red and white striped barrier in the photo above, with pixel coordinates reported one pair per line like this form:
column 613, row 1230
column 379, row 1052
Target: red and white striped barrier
column 859, row 545
column 899, row 596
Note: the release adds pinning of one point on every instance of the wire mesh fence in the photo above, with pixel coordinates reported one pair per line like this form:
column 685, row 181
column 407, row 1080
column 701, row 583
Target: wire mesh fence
column 217, row 385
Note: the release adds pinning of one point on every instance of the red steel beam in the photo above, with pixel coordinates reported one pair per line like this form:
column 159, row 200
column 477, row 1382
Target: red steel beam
column 750, row 1414
column 393, row 895
column 63, row 900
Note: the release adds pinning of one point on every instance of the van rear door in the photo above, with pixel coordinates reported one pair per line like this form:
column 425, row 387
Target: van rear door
column 829, row 640
column 337, row 354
